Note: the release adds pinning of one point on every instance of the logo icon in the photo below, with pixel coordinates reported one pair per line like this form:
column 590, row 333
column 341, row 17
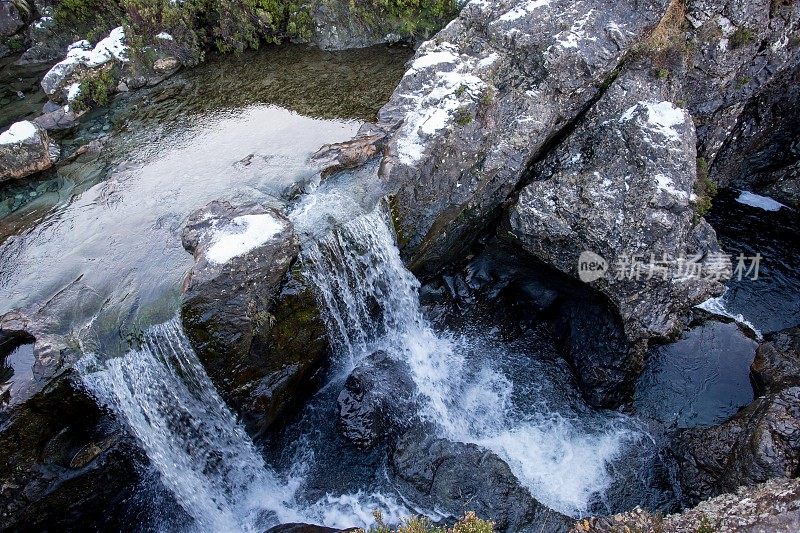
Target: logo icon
column 591, row 267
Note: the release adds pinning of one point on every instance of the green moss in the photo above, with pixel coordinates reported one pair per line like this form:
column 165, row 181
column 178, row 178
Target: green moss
column 15, row 43
column 662, row 73
column 705, row 526
column 704, row 188
column 96, row 89
column 743, row 82
column 742, row 37
column 487, row 97
column 463, row 117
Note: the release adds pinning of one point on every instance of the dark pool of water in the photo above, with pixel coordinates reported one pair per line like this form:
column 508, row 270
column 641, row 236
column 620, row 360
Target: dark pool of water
column 699, row 380
column 771, row 302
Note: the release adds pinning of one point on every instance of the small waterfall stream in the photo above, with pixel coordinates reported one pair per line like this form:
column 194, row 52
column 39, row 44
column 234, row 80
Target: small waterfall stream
column 370, row 302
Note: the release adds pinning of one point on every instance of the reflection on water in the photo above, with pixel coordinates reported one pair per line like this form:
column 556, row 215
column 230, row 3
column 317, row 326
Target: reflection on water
column 110, row 224
column 701, row 379
column 16, row 372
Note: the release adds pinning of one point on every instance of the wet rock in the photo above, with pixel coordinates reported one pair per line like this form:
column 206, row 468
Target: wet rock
column 349, row 154
column 306, row 528
column 24, row 150
column 11, row 20
column 65, row 461
column 760, row 442
column 60, row 119
column 254, row 326
column 454, row 477
column 622, row 186
column 348, row 25
column 377, row 400
column 772, row 507
column 777, row 362
column 723, row 58
column 482, row 99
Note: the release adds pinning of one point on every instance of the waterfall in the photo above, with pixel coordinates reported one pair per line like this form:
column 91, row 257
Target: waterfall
column 371, row 302
column 192, row 438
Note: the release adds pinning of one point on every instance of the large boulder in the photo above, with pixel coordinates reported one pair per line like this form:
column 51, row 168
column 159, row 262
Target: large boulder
column 62, row 83
column 24, row 150
column 455, row 477
column 621, row 187
column 377, row 400
column 483, row 99
column 763, row 153
column 758, row 443
column 254, row 325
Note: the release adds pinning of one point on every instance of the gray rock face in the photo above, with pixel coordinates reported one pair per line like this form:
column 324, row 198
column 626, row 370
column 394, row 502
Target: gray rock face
column 621, row 186
column 763, row 152
column 735, row 48
column 772, row 507
column 455, row 477
column 377, row 399
column 11, row 20
column 24, row 150
column 482, row 99
column 758, row 443
column 257, row 332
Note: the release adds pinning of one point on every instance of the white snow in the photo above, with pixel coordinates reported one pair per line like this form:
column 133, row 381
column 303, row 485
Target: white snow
column 164, row 36
column 756, row 200
column 522, row 10
column 73, row 92
column 665, row 183
column 434, row 105
column 18, row 132
column 80, row 53
column 431, row 59
column 662, row 118
column 256, row 230
column 572, row 37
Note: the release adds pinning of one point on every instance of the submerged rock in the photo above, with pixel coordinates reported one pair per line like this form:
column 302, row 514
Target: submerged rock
column 772, row 507
column 24, row 150
column 256, row 329
column 760, row 442
column 377, row 400
column 453, row 477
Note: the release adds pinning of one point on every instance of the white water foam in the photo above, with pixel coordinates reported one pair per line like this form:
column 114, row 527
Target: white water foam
column 718, row 306
column 372, row 302
column 204, row 457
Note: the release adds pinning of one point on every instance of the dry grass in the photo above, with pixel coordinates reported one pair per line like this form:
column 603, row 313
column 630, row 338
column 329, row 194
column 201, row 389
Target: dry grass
column 670, row 30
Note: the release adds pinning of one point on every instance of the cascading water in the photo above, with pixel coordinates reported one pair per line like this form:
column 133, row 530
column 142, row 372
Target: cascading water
column 371, row 302
column 192, row 438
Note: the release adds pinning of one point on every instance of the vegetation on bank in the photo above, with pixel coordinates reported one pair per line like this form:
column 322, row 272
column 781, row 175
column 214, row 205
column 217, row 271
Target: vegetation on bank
column 235, row 25
column 470, row 523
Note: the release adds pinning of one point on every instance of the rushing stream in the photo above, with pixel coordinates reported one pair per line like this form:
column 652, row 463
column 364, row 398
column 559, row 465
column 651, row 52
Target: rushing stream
column 98, row 245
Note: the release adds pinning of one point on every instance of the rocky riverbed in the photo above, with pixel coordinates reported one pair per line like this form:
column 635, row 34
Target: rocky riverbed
column 539, row 265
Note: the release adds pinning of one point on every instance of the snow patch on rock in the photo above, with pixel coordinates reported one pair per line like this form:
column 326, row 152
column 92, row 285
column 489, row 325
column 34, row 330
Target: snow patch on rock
column 19, row 132
column 255, row 231
column 663, row 118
